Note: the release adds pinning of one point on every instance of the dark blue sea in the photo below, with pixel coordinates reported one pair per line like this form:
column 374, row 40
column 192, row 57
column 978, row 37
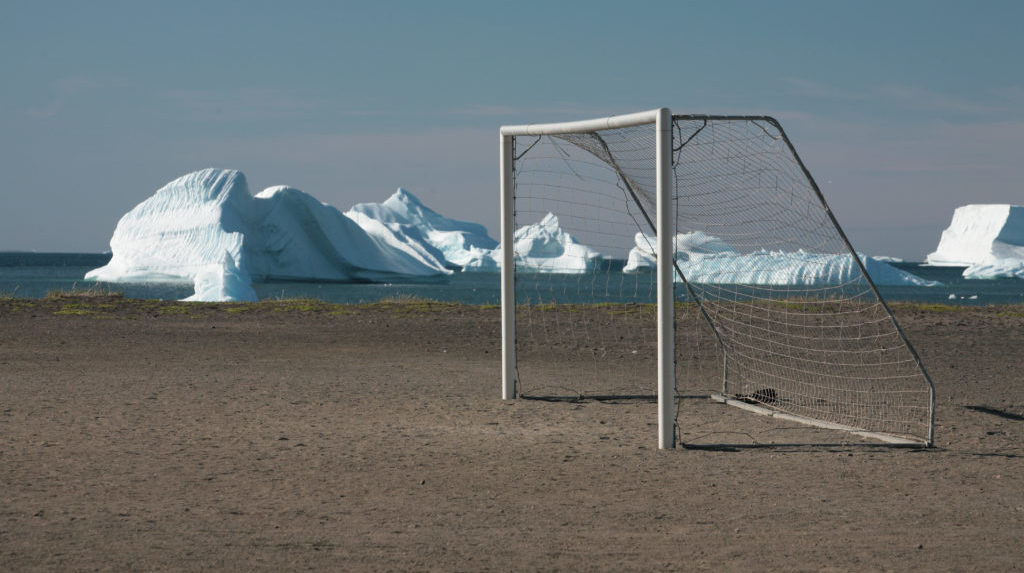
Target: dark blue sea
column 34, row 275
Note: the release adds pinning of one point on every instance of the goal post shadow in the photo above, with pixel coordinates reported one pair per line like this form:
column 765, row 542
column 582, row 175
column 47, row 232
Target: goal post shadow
column 592, row 398
column 776, row 437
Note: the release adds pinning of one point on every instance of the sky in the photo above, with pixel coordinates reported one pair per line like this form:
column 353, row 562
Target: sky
column 902, row 110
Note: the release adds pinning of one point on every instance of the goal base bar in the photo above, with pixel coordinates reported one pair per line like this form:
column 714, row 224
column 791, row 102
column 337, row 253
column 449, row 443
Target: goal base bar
column 887, row 438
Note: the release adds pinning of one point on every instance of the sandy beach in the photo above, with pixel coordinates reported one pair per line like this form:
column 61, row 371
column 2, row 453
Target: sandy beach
column 145, row 435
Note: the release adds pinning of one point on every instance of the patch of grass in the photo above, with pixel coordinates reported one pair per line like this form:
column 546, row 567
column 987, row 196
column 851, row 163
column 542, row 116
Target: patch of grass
column 929, row 307
column 82, row 306
column 405, row 299
column 297, row 305
column 174, row 309
column 8, row 296
column 408, row 304
column 277, row 305
column 630, row 309
column 75, row 310
column 612, row 308
column 92, row 292
column 811, row 305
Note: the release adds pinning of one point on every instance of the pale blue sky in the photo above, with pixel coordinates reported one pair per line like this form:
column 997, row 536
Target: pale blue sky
column 902, row 110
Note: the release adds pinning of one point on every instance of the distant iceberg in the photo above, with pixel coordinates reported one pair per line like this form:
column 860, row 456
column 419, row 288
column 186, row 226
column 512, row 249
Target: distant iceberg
column 987, row 239
column 1007, row 268
column 886, row 259
column 455, row 242
column 205, row 228
column 542, row 247
column 642, row 256
column 704, row 258
column 797, row 268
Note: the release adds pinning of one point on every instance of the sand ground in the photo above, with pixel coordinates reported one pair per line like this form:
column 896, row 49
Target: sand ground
column 162, row 436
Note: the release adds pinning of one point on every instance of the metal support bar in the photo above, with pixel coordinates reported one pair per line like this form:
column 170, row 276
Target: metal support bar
column 666, row 289
column 508, row 292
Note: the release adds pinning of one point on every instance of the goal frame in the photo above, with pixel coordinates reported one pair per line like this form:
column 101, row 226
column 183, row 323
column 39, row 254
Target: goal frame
column 661, row 120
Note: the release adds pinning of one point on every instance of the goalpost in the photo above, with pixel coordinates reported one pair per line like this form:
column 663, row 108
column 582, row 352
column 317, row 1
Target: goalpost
column 618, row 227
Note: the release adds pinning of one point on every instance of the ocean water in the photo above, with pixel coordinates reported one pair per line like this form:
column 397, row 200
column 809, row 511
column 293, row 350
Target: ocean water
column 34, row 275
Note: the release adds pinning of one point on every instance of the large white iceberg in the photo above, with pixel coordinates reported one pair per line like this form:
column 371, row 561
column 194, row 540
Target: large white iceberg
column 404, row 214
column 205, row 228
column 987, row 239
column 542, row 247
column 704, row 258
column 296, row 237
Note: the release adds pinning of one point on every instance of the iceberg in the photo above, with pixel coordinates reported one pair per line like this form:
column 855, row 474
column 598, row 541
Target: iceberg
column 704, row 258
column 886, row 259
column 1007, row 268
column 296, row 237
column 206, row 228
column 455, row 242
column 987, row 239
column 222, row 282
column 798, row 268
column 642, row 256
column 542, row 247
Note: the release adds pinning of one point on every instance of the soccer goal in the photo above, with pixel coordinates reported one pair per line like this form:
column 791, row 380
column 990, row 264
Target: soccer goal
column 660, row 256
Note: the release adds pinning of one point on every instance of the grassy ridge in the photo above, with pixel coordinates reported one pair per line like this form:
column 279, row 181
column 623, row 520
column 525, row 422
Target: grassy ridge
column 97, row 302
column 100, row 303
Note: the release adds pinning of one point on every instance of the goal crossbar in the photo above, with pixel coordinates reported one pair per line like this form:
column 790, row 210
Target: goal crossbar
column 584, row 126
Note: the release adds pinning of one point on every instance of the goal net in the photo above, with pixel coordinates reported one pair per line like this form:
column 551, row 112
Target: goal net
column 764, row 304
